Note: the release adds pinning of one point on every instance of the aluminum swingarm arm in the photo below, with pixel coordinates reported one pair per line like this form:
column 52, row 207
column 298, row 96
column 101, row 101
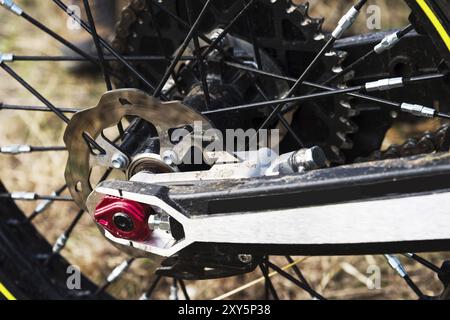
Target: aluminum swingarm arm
column 389, row 206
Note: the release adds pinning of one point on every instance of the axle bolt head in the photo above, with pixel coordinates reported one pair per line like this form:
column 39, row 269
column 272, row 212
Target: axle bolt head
column 123, row 222
column 124, row 219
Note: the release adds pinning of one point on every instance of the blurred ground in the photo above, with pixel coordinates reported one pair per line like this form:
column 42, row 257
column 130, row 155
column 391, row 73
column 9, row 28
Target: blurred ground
column 334, row 277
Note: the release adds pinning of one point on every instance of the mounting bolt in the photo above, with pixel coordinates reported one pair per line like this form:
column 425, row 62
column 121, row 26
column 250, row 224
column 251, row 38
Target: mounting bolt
column 119, row 161
column 159, row 221
column 308, row 159
column 245, row 258
column 170, row 158
column 123, row 222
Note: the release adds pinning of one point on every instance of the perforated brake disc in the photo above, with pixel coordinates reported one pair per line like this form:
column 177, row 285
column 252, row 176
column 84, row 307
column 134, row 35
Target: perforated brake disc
column 114, row 106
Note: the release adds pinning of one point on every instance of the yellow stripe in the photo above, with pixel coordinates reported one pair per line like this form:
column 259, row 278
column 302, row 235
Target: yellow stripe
column 435, row 21
column 8, row 295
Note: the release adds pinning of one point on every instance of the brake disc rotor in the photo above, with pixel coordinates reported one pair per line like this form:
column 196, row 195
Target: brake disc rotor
column 114, row 106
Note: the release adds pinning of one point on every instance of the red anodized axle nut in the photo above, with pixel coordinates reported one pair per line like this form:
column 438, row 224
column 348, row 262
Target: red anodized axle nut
column 124, row 219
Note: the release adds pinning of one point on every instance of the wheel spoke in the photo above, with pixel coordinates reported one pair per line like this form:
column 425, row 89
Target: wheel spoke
column 19, row 11
column 183, row 23
column 31, row 196
column 49, row 105
column 257, row 281
column 398, row 267
column 182, row 48
column 295, row 281
column 377, row 100
column 256, row 49
column 148, row 294
column 379, row 49
column 310, row 84
column 98, row 47
column 201, row 65
column 214, row 44
column 100, row 55
column 283, row 101
column 36, row 108
column 44, row 205
column 268, row 282
column 298, row 83
column 423, row 262
column 379, row 85
column 161, row 43
column 282, row 119
column 62, row 240
column 105, row 45
column 20, row 149
column 106, row 58
column 349, row 18
column 115, row 275
column 34, row 92
column 174, row 290
column 183, row 289
column 298, row 272
column 59, row 38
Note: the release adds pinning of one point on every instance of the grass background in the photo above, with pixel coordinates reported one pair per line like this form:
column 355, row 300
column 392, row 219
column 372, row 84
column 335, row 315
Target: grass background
column 334, row 277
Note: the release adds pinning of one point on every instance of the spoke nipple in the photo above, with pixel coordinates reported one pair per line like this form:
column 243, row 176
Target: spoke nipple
column 384, row 84
column 345, row 23
column 6, row 57
column 395, row 264
column 174, row 293
column 11, row 6
column 144, row 297
column 15, row 149
column 118, row 271
column 387, row 43
column 418, row 110
column 60, row 244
